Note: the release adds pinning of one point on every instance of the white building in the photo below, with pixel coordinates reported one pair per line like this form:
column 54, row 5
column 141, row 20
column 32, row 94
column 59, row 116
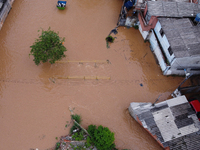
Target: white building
column 174, row 40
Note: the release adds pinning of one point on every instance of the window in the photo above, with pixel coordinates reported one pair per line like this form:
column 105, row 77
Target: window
column 170, row 51
column 161, row 32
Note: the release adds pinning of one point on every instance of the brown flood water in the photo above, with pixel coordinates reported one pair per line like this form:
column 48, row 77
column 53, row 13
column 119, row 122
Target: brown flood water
column 34, row 110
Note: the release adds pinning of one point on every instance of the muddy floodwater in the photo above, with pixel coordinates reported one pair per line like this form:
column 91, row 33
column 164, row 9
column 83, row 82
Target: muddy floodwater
column 34, row 110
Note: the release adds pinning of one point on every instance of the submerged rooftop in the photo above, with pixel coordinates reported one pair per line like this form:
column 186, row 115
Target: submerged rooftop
column 182, row 35
column 172, row 123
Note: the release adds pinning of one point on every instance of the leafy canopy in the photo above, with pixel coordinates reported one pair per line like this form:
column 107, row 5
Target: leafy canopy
column 48, row 47
column 101, row 137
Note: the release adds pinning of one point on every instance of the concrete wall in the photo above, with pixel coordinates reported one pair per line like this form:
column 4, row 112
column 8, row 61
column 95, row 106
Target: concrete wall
column 187, row 62
column 157, row 51
column 143, row 33
column 164, row 42
column 191, row 64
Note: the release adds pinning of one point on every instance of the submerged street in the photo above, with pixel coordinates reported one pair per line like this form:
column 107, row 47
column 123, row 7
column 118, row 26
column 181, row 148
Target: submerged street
column 34, row 110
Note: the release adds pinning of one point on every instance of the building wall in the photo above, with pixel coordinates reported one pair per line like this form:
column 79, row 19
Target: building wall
column 164, row 42
column 157, row 51
column 187, row 62
column 191, row 64
column 143, row 33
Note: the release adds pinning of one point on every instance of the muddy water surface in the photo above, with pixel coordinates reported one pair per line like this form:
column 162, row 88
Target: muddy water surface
column 34, row 110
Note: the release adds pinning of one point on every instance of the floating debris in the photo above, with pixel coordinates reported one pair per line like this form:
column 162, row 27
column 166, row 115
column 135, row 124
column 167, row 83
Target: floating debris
column 61, row 5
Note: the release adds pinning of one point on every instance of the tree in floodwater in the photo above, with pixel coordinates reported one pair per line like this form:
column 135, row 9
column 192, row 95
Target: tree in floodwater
column 48, row 47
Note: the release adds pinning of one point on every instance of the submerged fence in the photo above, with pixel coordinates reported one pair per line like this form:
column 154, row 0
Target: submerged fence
column 82, row 77
column 83, row 61
column 53, row 79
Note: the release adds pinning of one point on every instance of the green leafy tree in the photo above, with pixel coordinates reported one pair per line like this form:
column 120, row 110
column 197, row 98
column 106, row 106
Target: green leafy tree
column 101, row 137
column 48, row 47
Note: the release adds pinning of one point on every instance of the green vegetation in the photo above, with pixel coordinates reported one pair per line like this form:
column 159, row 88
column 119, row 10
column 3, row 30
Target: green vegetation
column 57, row 146
column 110, row 39
column 78, row 136
column 77, row 118
column 48, row 47
column 75, row 126
column 136, row 26
column 101, row 137
column 67, row 124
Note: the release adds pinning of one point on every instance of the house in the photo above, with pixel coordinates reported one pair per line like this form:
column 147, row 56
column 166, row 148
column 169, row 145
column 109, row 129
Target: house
column 172, row 123
column 173, row 35
column 5, row 6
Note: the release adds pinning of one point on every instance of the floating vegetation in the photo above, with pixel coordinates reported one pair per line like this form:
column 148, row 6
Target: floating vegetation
column 109, row 39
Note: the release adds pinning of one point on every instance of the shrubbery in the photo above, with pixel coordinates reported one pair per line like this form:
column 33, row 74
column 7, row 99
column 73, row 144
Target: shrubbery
column 101, row 137
column 75, row 126
column 110, row 39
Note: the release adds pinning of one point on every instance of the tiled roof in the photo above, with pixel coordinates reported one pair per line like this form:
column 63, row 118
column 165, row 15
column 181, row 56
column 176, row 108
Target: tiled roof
column 183, row 37
column 172, row 9
column 172, row 122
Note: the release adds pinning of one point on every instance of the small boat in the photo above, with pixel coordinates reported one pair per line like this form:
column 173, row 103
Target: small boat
column 61, row 5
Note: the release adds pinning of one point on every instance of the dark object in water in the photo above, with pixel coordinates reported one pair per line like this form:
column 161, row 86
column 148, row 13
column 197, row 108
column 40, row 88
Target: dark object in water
column 110, row 39
column 61, row 5
column 114, row 31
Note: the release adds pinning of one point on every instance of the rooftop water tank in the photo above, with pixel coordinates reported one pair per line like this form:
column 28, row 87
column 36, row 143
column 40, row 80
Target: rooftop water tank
column 197, row 19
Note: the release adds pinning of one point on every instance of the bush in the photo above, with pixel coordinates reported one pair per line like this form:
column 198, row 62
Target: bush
column 77, row 118
column 101, row 137
column 57, row 145
column 78, row 136
column 48, row 47
column 110, row 39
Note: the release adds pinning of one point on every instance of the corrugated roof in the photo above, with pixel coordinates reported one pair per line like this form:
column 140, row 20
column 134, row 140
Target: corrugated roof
column 172, row 9
column 183, row 37
column 172, row 122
